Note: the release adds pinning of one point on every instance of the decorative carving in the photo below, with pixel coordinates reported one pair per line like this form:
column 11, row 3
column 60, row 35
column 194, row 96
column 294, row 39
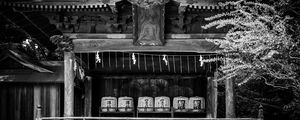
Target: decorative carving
column 64, row 44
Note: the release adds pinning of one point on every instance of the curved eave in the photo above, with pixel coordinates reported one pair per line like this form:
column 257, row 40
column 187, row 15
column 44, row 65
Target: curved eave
column 53, row 6
column 204, row 5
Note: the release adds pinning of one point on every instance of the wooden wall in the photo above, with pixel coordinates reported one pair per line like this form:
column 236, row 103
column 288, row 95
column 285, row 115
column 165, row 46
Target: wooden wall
column 19, row 101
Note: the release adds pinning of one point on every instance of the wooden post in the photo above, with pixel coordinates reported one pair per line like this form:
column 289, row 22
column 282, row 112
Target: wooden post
column 212, row 98
column 38, row 112
column 229, row 94
column 88, row 96
column 36, row 100
column 69, row 84
column 54, row 101
column 260, row 112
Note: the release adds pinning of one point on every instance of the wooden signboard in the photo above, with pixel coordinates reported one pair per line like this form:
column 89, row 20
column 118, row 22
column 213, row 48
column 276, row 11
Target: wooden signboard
column 148, row 20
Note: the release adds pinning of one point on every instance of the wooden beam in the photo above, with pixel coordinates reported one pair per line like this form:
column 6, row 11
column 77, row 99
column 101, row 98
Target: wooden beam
column 229, row 99
column 129, row 36
column 212, row 98
column 69, row 84
column 88, row 97
column 124, row 45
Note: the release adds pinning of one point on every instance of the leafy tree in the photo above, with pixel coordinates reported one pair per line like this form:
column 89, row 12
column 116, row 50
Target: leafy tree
column 261, row 45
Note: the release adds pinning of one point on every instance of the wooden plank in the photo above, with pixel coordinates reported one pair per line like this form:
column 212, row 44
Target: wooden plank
column 18, row 103
column 36, row 99
column 32, row 78
column 229, row 99
column 144, row 118
column 209, row 103
column 54, row 101
column 124, row 45
column 88, row 97
column 27, row 75
column 69, row 84
column 3, row 102
column 214, row 97
column 98, row 36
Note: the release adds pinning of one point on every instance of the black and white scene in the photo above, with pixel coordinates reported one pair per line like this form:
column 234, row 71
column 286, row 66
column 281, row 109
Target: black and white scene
column 149, row 59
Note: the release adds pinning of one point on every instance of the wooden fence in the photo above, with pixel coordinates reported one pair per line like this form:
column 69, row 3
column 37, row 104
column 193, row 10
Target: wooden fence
column 133, row 118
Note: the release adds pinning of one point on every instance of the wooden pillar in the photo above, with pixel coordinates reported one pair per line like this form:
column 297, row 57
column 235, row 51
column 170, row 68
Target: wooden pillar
column 36, row 100
column 260, row 112
column 69, row 84
column 212, row 98
column 38, row 110
column 229, row 98
column 54, row 101
column 88, row 96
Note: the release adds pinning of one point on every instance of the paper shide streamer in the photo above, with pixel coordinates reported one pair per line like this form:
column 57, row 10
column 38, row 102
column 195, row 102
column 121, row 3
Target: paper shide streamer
column 98, row 59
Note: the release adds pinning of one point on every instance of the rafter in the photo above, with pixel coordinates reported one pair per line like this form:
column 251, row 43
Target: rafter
column 26, row 17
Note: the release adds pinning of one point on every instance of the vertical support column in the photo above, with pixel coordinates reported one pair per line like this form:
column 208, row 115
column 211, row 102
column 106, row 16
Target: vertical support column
column 69, row 84
column 260, row 112
column 38, row 110
column 212, row 97
column 229, row 98
column 88, row 96
column 36, row 100
column 54, row 101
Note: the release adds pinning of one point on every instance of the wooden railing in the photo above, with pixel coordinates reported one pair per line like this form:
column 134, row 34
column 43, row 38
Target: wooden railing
column 39, row 117
column 133, row 118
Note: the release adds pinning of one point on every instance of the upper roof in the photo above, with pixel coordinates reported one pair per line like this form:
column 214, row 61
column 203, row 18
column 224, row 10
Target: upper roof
column 96, row 4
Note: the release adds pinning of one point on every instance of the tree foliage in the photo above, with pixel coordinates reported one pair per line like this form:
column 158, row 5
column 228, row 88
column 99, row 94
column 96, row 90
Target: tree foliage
column 261, row 45
column 258, row 45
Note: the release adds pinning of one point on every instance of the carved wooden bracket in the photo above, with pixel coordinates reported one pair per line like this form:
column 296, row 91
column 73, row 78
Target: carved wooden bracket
column 64, row 43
